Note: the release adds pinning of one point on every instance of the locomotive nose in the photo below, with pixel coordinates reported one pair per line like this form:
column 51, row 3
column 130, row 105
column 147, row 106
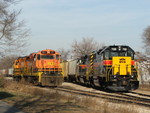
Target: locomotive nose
column 121, row 65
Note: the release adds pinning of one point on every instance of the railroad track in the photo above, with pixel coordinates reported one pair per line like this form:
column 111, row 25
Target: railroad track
column 141, row 94
column 131, row 97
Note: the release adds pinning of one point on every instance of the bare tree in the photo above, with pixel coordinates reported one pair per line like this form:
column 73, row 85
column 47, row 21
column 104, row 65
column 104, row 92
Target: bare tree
column 146, row 40
column 86, row 46
column 144, row 58
column 13, row 34
column 7, row 62
column 65, row 54
column 142, row 65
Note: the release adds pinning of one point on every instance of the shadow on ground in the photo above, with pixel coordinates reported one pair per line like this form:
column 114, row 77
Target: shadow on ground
column 47, row 105
column 4, row 95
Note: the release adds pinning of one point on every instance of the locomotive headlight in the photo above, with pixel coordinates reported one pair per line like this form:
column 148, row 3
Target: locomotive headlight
column 132, row 76
column 115, row 76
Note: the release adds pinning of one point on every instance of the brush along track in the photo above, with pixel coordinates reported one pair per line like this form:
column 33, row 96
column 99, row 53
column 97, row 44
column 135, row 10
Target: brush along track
column 130, row 97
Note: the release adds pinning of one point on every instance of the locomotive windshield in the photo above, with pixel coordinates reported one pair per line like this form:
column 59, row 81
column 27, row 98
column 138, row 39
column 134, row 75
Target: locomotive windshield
column 118, row 51
column 47, row 56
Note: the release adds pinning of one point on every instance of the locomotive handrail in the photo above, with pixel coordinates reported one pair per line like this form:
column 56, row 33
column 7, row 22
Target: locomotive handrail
column 112, row 69
column 108, row 73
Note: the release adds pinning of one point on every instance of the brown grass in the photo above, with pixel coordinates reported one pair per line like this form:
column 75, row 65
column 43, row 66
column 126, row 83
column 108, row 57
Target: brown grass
column 2, row 82
column 33, row 99
column 104, row 106
column 145, row 87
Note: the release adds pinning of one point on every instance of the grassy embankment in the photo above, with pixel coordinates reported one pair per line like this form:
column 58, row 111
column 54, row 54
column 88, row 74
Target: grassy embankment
column 36, row 100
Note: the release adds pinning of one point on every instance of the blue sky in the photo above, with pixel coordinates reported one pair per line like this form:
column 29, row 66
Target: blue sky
column 56, row 24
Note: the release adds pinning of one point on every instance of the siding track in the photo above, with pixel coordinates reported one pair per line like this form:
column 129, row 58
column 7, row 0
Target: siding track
column 123, row 97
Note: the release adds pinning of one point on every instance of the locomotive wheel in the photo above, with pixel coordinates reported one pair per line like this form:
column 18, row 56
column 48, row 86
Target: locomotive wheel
column 92, row 82
column 78, row 80
column 30, row 79
column 17, row 78
column 36, row 83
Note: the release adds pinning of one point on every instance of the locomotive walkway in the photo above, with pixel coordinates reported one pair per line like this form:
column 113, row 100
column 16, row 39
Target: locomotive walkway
column 6, row 108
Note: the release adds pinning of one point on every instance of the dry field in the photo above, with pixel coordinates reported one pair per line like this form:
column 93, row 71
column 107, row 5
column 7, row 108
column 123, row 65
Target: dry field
column 31, row 99
column 144, row 87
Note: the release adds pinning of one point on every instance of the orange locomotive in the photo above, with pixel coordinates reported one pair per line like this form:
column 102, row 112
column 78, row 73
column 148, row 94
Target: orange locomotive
column 41, row 68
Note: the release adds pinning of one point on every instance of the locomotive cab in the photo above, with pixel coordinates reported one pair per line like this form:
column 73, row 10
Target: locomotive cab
column 47, row 63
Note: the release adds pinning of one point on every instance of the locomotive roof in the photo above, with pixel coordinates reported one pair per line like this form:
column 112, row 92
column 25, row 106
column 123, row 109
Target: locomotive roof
column 39, row 52
column 106, row 47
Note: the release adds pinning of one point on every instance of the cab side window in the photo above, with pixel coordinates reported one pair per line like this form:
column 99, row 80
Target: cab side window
column 57, row 57
column 38, row 56
column 106, row 55
column 130, row 53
